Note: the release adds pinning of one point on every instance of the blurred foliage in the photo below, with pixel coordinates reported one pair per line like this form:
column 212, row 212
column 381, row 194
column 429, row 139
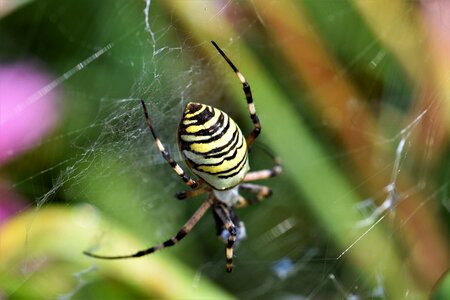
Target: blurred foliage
column 336, row 93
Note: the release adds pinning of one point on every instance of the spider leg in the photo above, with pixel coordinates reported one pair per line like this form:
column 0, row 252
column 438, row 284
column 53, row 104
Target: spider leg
column 170, row 242
column 181, row 195
column 261, row 191
column 223, row 212
column 222, row 232
column 248, row 95
column 265, row 174
column 176, row 167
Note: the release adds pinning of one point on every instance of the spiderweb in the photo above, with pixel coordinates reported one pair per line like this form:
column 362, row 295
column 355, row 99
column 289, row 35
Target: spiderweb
column 114, row 168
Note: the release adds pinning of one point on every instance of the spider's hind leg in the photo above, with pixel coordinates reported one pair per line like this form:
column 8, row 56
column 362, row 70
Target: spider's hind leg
column 248, row 95
column 166, row 155
column 267, row 173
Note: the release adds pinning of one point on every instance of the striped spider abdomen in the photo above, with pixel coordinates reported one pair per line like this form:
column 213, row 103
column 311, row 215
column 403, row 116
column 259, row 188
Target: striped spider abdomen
column 213, row 146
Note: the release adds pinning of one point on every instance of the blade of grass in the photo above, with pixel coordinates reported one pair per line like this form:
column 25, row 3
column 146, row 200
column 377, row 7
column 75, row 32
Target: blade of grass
column 56, row 234
column 291, row 30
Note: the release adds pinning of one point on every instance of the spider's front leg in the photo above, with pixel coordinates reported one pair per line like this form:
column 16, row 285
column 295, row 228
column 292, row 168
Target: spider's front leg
column 185, row 230
column 222, row 212
column 221, row 230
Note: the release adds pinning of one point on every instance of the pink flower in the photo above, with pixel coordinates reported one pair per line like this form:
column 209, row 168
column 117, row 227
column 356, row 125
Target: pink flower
column 11, row 203
column 27, row 110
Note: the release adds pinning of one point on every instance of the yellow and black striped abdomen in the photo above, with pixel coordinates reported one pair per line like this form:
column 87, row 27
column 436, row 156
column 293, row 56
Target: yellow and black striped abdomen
column 213, row 146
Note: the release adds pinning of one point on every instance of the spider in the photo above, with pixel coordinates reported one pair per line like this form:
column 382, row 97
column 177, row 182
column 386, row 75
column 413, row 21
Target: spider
column 214, row 149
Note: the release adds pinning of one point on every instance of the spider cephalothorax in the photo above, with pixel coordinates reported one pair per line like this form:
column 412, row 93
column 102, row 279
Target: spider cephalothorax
column 215, row 149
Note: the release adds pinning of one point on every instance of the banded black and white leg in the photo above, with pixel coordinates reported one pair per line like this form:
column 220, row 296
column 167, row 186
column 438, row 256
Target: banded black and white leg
column 182, row 195
column 166, row 155
column 248, row 95
column 222, row 231
column 265, row 174
column 261, row 192
column 223, row 213
column 187, row 227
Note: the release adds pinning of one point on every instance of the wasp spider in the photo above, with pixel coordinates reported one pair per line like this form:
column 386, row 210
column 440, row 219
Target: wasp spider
column 216, row 151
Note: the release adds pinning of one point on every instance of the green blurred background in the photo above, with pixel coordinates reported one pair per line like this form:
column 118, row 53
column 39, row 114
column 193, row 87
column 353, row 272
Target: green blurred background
column 339, row 87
